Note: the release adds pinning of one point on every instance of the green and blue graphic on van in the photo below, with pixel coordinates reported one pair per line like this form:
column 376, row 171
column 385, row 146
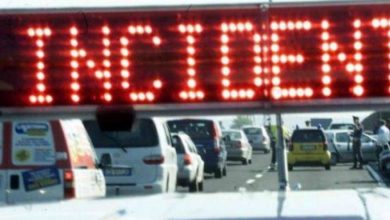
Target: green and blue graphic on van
column 41, row 178
column 32, row 129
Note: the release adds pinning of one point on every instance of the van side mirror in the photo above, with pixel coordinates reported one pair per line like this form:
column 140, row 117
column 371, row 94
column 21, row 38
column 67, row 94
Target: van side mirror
column 105, row 160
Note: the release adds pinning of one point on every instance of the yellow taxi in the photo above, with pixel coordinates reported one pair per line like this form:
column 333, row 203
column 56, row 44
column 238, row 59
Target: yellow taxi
column 308, row 147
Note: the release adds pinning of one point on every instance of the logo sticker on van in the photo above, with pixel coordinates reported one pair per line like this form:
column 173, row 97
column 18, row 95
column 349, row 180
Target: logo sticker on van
column 41, row 178
column 32, row 129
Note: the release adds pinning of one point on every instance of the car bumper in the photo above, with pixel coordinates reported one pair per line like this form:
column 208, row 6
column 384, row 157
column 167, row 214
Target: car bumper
column 131, row 189
column 309, row 159
column 237, row 154
column 261, row 146
column 185, row 176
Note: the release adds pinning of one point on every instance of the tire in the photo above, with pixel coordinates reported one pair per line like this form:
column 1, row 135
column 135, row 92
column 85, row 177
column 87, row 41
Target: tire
column 290, row 167
column 218, row 173
column 250, row 161
column 224, row 171
column 193, row 187
column 167, row 187
column 327, row 167
column 334, row 159
column 266, row 151
column 200, row 186
column 245, row 162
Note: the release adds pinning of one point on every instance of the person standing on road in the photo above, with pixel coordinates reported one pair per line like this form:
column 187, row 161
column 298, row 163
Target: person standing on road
column 383, row 137
column 357, row 144
column 273, row 147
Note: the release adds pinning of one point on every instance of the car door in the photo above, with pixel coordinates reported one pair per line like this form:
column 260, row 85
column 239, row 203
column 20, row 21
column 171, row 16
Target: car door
column 343, row 146
column 368, row 148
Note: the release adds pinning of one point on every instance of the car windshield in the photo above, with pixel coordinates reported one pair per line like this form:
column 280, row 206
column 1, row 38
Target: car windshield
column 252, row 131
column 196, row 129
column 308, row 136
column 142, row 134
column 233, row 135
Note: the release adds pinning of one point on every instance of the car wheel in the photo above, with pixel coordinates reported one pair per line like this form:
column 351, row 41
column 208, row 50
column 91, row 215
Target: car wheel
column 250, row 161
column 327, row 167
column 224, row 172
column 200, row 186
column 193, row 187
column 290, row 167
column 333, row 159
column 167, row 187
column 218, row 173
column 266, row 151
column 245, row 161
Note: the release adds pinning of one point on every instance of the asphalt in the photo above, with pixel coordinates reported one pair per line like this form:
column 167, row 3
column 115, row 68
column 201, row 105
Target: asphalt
column 258, row 177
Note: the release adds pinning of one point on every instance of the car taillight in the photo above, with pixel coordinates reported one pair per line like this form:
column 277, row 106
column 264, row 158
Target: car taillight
column 325, row 146
column 187, row 159
column 238, row 144
column 153, row 159
column 69, row 190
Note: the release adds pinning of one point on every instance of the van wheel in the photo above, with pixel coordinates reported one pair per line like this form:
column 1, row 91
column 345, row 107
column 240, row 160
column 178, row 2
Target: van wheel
column 327, row 167
column 245, row 161
column 224, row 172
column 218, row 173
column 194, row 187
column 200, row 186
column 290, row 167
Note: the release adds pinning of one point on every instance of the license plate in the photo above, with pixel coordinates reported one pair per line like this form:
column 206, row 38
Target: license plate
column 308, row 147
column 117, row 171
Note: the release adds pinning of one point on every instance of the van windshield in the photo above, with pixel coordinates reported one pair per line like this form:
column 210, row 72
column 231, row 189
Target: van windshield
column 308, row 136
column 193, row 128
column 143, row 134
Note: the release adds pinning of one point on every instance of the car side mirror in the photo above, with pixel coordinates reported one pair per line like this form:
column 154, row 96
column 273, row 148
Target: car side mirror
column 105, row 160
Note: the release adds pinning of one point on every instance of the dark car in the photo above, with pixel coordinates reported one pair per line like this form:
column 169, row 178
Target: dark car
column 207, row 136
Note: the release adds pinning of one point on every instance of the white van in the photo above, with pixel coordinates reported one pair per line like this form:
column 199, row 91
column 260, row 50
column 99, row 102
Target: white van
column 144, row 159
column 47, row 160
column 258, row 138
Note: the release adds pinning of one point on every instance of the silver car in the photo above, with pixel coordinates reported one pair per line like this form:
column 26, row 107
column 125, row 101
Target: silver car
column 340, row 145
column 258, row 138
column 237, row 146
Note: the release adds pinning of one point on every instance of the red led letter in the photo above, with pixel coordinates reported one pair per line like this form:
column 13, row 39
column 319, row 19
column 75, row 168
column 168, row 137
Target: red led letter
column 189, row 31
column 39, row 34
column 384, row 23
column 329, row 47
column 280, row 59
column 241, row 93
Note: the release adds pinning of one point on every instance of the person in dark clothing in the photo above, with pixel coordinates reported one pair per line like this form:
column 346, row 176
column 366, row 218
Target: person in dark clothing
column 356, row 143
column 273, row 147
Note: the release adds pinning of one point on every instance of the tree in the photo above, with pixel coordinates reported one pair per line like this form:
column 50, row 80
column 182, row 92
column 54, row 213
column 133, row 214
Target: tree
column 240, row 121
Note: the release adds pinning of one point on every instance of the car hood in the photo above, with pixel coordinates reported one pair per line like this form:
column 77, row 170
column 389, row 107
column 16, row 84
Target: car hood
column 327, row 204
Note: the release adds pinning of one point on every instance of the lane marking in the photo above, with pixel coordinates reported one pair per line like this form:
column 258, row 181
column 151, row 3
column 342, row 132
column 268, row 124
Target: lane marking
column 258, row 176
column 250, row 181
column 375, row 175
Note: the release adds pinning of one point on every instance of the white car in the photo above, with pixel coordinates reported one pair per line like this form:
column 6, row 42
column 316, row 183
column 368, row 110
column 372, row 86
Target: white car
column 258, row 138
column 191, row 165
column 237, row 146
column 144, row 159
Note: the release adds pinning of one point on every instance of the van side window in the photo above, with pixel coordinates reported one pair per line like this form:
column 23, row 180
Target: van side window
column 32, row 143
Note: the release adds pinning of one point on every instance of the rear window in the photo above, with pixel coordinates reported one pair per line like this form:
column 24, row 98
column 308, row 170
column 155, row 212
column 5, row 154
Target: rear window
column 252, row 131
column 143, row 134
column 341, row 127
column 342, row 137
column 308, row 136
column 193, row 128
column 234, row 135
column 178, row 144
